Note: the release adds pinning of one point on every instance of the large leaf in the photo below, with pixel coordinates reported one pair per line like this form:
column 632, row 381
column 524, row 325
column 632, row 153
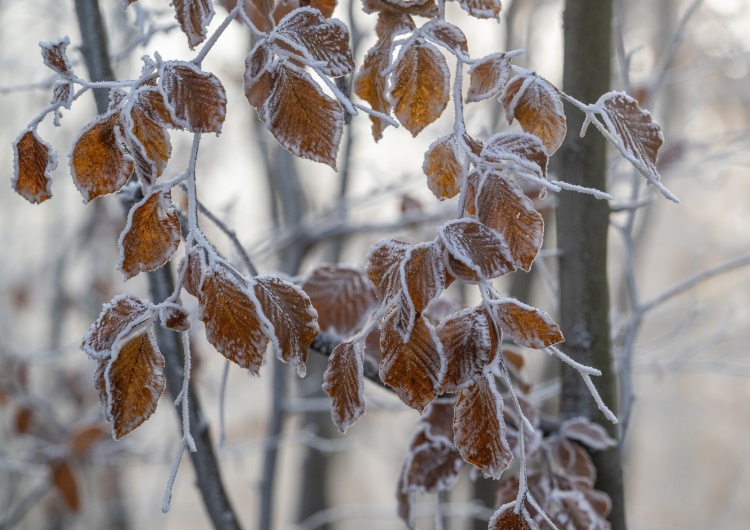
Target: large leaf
column 384, row 268
column 196, row 99
column 344, row 382
column 34, row 162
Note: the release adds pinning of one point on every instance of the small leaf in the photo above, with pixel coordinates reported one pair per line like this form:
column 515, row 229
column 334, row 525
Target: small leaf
column 384, row 268
column 421, row 8
column 478, row 247
column 488, row 76
column 482, row 8
column 432, row 467
column 194, row 16
column 443, row 167
column 118, row 318
column 535, row 103
column 522, row 151
column 196, row 99
column 344, row 382
column 98, row 165
column 34, row 162
column 174, row 317
column 301, row 117
column 392, row 23
column 371, row 85
column 66, row 485
column 84, row 439
column 151, row 235
column 479, row 427
column 62, row 93
column 447, row 35
column 527, row 325
column 465, row 337
column 505, row 518
column 590, row 434
column 259, row 73
column 55, row 56
column 144, row 123
column 197, row 266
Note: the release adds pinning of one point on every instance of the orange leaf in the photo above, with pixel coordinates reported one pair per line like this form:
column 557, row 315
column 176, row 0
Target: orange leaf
column 527, row 325
column 343, row 381
column 520, row 151
column 505, row 518
column 477, row 247
column 384, row 268
column 34, row 162
column 259, row 73
column 194, row 16
column 197, row 99
column 174, row 317
column 326, row 7
column 443, row 167
column 465, row 337
column 535, row 103
column 414, row 369
column 447, row 35
column 420, row 86
column 424, row 274
column 118, row 318
column 66, row 485
column 320, row 39
column 342, row 296
column 235, row 324
column 302, row 118
column 97, row 163
column 292, row 316
column 482, row 8
column 371, row 85
column 151, row 235
column 144, row 122
column 479, row 427
column 55, row 56
column 488, row 76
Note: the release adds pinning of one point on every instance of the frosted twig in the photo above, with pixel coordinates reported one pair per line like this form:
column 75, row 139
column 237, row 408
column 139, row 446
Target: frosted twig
column 597, row 398
column 582, row 368
column 373, row 112
column 222, row 404
column 183, row 397
column 215, row 37
column 166, row 502
column 345, row 101
column 191, row 187
column 535, row 505
column 523, row 423
column 581, row 189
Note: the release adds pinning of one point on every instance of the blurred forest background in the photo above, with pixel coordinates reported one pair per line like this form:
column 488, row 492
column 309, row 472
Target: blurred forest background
column 686, row 455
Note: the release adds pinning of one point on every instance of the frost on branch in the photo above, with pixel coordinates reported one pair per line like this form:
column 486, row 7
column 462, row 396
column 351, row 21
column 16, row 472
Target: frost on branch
column 344, row 382
column 196, row 99
column 34, row 162
column 443, row 167
column 194, row 16
column 488, row 76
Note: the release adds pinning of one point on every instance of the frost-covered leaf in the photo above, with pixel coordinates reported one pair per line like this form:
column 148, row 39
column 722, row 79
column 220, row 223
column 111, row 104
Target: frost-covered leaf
column 422, row 8
column 446, row 34
column 34, row 162
column 575, row 512
column 151, row 235
column 301, row 117
column 390, row 24
column 118, row 318
column 97, row 164
column 443, row 167
column 431, row 467
column 144, row 124
column 477, row 247
column 482, row 8
column 174, row 317
column 437, row 420
column 527, row 326
column 535, row 103
column 479, row 427
column 196, row 268
column 505, row 518
column 384, row 268
column 321, row 39
column 133, row 381
column 414, row 369
column 487, row 77
column 424, row 274
column 586, row 432
column 62, row 93
column 344, row 382
column 55, row 56
column 342, row 295
column 235, row 324
column 66, row 485
column 196, row 99
column 371, row 85
column 292, row 316
column 259, row 73
column 573, row 460
column 420, row 86
column 326, row 7
column 465, row 337
column 520, row 150
column 194, row 16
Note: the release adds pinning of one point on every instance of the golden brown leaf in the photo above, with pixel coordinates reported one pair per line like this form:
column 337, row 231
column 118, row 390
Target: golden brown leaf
column 535, row 103
column 174, row 317
column 66, row 485
column 344, row 382
column 55, row 56
column 442, row 165
column 118, row 318
column 488, row 76
column 447, row 35
column 479, row 427
column 392, row 23
column 259, row 73
column 477, row 247
column 420, row 86
column 326, row 7
column 482, row 8
column 197, row 99
column 424, row 274
column 144, row 123
column 527, row 325
column 304, row 120
column 384, row 268
column 520, row 151
column 506, row 518
column 97, row 164
column 465, row 337
column 151, row 235
column 34, row 162
column 371, row 85
column 194, row 16
column 196, row 267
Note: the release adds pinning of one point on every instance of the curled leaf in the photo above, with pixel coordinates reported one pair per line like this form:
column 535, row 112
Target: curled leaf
column 34, row 161
column 144, row 122
column 55, row 56
column 194, row 16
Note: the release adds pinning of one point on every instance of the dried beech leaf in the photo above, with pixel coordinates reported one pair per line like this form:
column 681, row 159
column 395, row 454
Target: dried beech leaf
column 304, row 120
column 151, row 235
column 144, row 123
column 535, row 103
column 575, row 512
column 194, row 16
column 465, row 337
column 391, row 23
column 118, row 318
column 482, row 8
column 420, row 86
column 326, row 7
column 371, row 85
column 66, row 485
column 421, row 8
column 259, row 73
column 34, row 162
column 197, row 266
column 437, row 420
column 590, row 434
column 520, row 151
column 384, row 268
column 505, row 518
column 479, row 427
column 62, row 93
column 478, row 247
column 344, row 382
column 446, row 34
column 573, row 460
column 414, row 369
column 321, row 39
column 342, row 296
column 84, row 439
column 235, row 324
column 174, row 317
column 443, row 167
column 97, row 164
column 488, row 76
column 292, row 316
column 432, row 467
column 55, row 56
column 528, row 326
column 405, row 501
column 424, row 274
column 196, row 99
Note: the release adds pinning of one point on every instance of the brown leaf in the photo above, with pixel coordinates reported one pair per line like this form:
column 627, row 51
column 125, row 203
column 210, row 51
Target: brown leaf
column 304, row 120
column 197, row 99
column 97, row 164
column 344, row 382
column 424, row 274
column 505, row 518
column 55, row 56
column 432, row 467
column 235, row 324
column 465, row 337
column 422, row 8
column 118, row 318
column 326, row 7
column 488, row 76
column 391, row 23
column 535, row 103
column 194, row 16
column 519, row 151
column 590, row 434
column 259, row 73
column 573, row 460
column 196, row 267
column 62, row 93
column 320, row 39
column 384, row 268
column 447, row 35
column 144, row 123
column 405, row 501
column 24, row 417
column 443, row 167
column 371, row 85
column 151, row 235
column 83, row 439
column 66, row 485
column 528, row 326
column 479, row 427
column 34, row 162
column 342, row 296
column 478, row 247
column 174, row 317
column 414, row 369
column 482, row 8
column 420, row 86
